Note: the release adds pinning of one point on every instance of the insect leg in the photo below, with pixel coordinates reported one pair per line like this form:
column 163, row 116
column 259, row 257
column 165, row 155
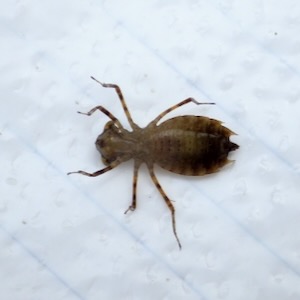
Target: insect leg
column 97, row 173
column 186, row 101
column 167, row 200
column 106, row 112
column 121, row 97
column 132, row 207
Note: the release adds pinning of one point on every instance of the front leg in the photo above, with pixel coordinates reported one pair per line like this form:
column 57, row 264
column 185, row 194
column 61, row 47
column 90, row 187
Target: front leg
column 106, row 112
column 97, row 173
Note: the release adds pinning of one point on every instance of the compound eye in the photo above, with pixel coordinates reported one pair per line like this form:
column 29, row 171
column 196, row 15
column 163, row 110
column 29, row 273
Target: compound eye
column 109, row 125
column 106, row 161
column 112, row 126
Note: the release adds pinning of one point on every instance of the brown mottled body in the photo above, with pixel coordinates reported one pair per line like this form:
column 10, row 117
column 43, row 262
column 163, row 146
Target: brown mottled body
column 186, row 145
column 190, row 145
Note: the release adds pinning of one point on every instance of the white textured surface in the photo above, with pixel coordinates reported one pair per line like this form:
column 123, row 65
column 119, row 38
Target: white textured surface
column 67, row 237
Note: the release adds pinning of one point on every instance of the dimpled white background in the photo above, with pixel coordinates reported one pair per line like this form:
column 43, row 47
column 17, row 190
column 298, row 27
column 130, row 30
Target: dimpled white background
column 66, row 237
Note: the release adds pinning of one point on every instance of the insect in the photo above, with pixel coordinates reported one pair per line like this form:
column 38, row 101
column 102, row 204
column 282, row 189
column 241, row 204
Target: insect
column 186, row 145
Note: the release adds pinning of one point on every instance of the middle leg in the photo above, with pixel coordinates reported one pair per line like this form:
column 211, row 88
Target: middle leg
column 132, row 207
column 122, row 99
